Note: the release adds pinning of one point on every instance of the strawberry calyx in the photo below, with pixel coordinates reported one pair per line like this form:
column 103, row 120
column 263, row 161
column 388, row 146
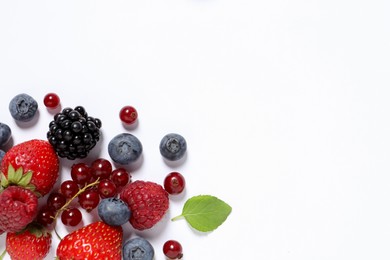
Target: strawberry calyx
column 36, row 229
column 18, row 178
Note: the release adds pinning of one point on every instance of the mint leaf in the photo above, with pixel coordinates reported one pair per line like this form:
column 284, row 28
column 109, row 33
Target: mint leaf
column 205, row 212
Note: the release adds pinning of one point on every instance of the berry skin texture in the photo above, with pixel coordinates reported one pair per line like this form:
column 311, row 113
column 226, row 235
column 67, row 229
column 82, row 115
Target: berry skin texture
column 125, row 148
column 173, row 249
column 51, row 100
column 5, row 134
column 138, row 248
column 173, row 147
column 174, row 183
column 94, row 241
column 32, row 243
column 128, row 115
column 114, row 211
column 19, row 207
column 37, row 161
column 148, row 203
column 23, row 107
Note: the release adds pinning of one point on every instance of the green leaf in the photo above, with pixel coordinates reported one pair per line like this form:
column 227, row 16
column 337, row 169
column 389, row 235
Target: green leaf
column 205, row 212
column 25, row 179
column 4, row 181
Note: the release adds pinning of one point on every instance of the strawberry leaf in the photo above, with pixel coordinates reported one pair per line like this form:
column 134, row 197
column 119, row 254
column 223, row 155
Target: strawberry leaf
column 205, row 212
column 25, row 179
column 4, row 181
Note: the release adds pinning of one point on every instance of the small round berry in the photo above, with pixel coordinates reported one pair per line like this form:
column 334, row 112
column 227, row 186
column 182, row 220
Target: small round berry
column 174, row 183
column 101, row 168
column 173, row 249
column 81, row 173
column 23, row 107
column 114, row 211
column 5, row 134
column 56, row 200
column 107, row 188
column 128, row 115
column 125, row 148
column 138, row 248
column 89, row 199
column 71, row 217
column 45, row 216
column 51, row 100
column 120, row 177
column 69, row 188
column 173, row 147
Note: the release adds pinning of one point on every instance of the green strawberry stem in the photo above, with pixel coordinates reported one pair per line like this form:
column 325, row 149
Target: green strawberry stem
column 3, row 254
column 70, row 201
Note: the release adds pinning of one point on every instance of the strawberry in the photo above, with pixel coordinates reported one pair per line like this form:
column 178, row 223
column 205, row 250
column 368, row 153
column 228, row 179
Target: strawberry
column 33, row 164
column 148, row 203
column 19, row 206
column 32, row 243
column 94, row 241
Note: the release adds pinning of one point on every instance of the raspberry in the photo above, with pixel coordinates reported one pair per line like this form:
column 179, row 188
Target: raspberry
column 148, row 202
column 19, row 206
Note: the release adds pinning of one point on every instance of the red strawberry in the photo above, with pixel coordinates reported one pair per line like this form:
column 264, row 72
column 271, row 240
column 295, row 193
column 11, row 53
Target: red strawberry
column 32, row 243
column 32, row 164
column 148, row 202
column 94, row 241
column 19, row 206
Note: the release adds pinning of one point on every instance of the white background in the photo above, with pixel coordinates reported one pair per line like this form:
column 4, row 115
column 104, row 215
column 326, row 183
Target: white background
column 284, row 105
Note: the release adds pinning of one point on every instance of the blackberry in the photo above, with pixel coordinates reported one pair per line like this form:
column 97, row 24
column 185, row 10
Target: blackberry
column 73, row 133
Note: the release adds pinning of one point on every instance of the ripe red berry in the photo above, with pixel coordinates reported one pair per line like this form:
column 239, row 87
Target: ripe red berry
column 174, row 183
column 69, row 188
column 56, row 200
column 51, row 100
column 128, row 115
column 89, row 199
column 71, row 217
column 45, row 216
column 81, row 173
column 107, row 189
column 120, row 177
column 173, row 249
column 101, row 168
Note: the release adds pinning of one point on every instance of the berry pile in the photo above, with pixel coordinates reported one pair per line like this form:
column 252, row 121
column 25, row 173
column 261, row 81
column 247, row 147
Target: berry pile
column 73, row 133
column 30, row 170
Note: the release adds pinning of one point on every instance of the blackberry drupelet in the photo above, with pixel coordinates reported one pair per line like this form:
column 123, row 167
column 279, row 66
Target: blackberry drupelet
column 73, row 133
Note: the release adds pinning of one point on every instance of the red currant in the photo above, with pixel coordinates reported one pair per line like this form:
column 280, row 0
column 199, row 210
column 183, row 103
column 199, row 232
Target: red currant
column 174, row 183
column 173, row 249
column 71, row 217
column 128, row 115
column 81, row 173
column 107, row 189
column 51, row 100
column 120, row 177
column 101, row 168
column 56, row 200
column 89, row 199
column 45, row 216
column 69, row 188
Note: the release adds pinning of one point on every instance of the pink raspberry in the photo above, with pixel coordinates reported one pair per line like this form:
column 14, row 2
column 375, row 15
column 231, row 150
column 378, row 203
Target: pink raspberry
column 148, row 203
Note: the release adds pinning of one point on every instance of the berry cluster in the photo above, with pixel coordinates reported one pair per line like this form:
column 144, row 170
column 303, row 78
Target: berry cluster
column 73, row 133
column 88, row 183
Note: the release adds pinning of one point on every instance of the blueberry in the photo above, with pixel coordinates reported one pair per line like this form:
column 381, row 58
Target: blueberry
column 2, row 153
column 138, row 249
column 23, row 107
column 114, row 211
column 5, row 134
column 124, row 148
column 173, row 147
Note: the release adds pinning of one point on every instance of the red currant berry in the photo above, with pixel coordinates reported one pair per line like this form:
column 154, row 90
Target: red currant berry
column 81, row 173
column 89, row 199
column 101, row 168
column 45, row 216
column 71, row 217
column 51, row 100
column 173, row 249
column 56, row 200
column 69, row 188
column 107, row 189
column 120, row 177
column 128, row 115
column 174, row 183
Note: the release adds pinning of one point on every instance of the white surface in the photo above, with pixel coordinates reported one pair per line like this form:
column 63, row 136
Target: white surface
column 284, row 104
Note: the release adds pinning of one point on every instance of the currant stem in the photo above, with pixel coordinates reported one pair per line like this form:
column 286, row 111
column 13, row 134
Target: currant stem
column 3, row 254
column 70, row 201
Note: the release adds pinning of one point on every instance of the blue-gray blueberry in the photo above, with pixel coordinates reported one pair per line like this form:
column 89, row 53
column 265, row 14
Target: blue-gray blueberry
column 173, row 147
column 138, row 249
column 2, row 153
column 124, row 148
column 5, row 134
column 114, row 211
column 23, row 107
